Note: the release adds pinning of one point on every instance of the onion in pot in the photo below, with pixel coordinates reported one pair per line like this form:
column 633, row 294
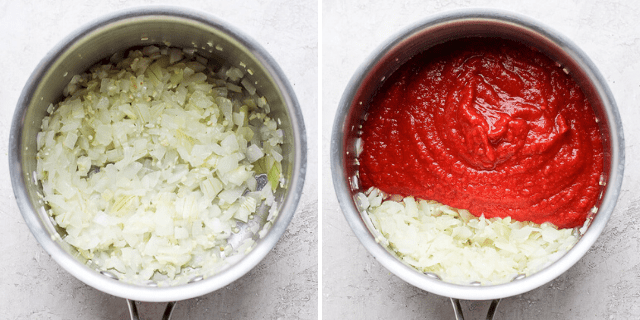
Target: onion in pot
column 147, row 164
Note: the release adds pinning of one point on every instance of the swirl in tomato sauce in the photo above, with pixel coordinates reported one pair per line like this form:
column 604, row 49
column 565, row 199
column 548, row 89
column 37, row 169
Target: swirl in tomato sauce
column 487, row 125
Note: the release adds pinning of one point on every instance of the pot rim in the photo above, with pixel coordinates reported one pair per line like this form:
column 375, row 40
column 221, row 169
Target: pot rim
column 183, row 291
column 409, row 274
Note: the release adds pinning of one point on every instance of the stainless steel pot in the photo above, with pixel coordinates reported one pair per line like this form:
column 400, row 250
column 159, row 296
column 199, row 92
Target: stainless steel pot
column 210, row 38
column 421, row 36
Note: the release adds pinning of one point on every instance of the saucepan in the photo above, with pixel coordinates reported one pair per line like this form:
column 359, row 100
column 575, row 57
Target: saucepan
column 200, row 34
column 435, row 30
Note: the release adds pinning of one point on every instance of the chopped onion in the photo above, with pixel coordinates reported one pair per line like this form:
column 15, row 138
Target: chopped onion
column 459, row 247
column 149, row 163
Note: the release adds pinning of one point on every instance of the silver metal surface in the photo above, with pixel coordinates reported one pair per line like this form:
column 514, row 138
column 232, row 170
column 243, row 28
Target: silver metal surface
column 457, row 309
column 492, row 309
column 425, row 34
column 134, row 315
column 133, row 310
column 178, row 27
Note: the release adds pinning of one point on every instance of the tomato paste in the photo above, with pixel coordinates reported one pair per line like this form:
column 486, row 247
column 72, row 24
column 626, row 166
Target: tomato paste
column 487, row 125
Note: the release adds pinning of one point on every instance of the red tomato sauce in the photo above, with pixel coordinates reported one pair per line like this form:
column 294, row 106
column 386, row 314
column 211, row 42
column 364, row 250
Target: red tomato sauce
column 486, row 125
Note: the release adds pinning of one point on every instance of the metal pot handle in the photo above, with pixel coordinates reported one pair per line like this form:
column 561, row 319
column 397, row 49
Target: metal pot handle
column 133, row 310
column 457, row 309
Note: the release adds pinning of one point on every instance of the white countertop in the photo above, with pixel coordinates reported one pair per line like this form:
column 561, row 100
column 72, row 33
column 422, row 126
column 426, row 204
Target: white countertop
column 604, row 284
column 282, row 286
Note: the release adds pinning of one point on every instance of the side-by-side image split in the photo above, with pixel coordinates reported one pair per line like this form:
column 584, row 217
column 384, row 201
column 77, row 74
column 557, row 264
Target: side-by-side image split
column 320, row 159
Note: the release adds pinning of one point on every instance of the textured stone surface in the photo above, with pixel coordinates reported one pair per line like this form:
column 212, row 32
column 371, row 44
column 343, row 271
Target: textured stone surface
column 283, row 286
column 604, row 284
